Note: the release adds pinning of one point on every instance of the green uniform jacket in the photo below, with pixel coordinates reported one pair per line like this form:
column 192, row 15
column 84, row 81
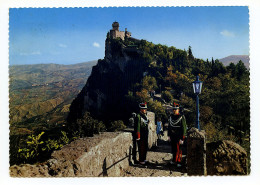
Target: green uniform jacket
column 140, row 125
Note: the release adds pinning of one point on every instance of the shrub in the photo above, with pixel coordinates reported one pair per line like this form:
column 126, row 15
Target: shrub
column 99, row 127
column 87, row 126
column 117, row 126
column 52, row 144
column 32, row 150
column 35, row 149
column 214, row 133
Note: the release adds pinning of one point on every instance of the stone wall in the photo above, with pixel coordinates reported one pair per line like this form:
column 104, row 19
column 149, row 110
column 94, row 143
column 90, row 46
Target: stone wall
column 106, row 154
column 117, row 34
column 152, row 138
column 196, row 152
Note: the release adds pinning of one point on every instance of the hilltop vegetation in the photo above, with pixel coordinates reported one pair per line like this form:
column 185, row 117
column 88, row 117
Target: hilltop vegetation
column 224, row 101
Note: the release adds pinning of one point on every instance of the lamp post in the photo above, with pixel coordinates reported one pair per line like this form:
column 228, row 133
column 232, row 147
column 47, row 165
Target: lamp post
column 197, row 85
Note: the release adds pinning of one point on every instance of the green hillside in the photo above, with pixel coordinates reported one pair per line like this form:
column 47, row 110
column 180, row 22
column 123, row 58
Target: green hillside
column 224, row 101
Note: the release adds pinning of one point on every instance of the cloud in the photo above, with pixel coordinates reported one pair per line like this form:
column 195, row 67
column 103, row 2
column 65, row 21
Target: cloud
column 227, row 33
column 32, row 53
column 97, row 45
column 63, row 45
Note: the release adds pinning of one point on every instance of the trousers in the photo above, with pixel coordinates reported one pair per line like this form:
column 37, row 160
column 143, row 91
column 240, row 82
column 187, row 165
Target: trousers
column 143, row 145
column 176, row 149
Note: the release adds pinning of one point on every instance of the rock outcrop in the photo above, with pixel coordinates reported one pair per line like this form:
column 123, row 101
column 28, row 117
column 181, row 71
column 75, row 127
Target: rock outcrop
column 226, row 158
column 104, row 93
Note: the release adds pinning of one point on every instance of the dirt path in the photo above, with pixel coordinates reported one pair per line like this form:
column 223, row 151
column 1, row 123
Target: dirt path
column 159, row 163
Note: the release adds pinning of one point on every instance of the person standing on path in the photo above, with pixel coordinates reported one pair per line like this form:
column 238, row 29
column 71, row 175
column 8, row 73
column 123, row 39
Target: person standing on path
column 142, row 132
column 176, row 133
column 159, row 128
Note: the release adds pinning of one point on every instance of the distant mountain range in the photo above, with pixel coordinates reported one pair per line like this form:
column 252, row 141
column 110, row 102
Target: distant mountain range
column 43, row 92
column 235, row 59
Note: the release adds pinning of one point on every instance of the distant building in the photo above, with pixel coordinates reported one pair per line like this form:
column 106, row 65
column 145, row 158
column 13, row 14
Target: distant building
column 115, row 33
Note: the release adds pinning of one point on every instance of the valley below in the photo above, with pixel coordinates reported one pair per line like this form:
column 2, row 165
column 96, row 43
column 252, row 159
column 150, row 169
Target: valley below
column 40, row 95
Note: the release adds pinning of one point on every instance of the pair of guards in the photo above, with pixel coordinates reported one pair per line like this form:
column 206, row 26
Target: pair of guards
column 176, row 133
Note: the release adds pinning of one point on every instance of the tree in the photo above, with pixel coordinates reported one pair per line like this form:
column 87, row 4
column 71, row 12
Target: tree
column 149, row 83
column 212, row 61
column 167, row 96
column 218, row 68
column 142, row 95
column 171, row 77
column 214, row 83
column 240, row 70
column 232, row 69
column 190, row 55
column 157, row 108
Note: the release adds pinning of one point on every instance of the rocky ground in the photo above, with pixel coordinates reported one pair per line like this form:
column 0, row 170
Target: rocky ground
column 159, row 163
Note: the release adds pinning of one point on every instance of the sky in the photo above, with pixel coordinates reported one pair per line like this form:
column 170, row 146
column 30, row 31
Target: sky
column 74, row 35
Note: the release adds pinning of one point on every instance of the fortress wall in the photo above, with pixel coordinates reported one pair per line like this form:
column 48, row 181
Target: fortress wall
column 120, row 34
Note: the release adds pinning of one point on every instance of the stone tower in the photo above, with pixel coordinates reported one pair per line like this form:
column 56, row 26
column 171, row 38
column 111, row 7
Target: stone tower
column 115, row 33
column 115, row 26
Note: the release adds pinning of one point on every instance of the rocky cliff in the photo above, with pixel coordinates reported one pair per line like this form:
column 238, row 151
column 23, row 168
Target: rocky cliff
column 104, row 93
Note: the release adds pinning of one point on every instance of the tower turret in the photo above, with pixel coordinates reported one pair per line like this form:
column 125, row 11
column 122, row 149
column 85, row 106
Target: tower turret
column 115, row 26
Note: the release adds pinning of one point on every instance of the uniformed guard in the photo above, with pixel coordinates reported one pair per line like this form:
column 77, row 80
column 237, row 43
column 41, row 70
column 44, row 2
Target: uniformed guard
column 176, row 133
column 142, row 132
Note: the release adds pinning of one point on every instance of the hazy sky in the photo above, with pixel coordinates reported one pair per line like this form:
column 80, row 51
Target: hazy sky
column 73, row 35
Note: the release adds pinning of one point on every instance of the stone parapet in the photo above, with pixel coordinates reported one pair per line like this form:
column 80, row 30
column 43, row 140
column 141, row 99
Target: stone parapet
column 196, row 152
column 152, row 138
column 106, row 154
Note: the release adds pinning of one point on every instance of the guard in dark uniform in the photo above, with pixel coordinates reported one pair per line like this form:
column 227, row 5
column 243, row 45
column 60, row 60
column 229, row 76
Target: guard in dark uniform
column 142, row 132
column 176, row 133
